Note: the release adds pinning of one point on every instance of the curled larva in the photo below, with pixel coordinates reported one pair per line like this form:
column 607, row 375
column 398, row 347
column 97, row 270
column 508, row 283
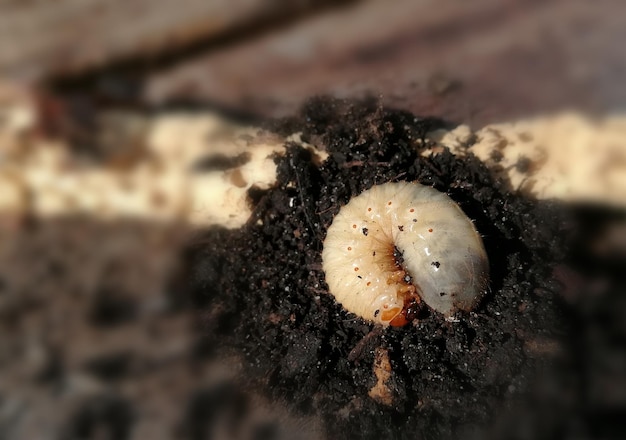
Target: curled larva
column 398, row 244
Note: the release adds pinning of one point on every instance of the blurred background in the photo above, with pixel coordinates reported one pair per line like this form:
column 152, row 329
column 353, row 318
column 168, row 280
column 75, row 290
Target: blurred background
column 477, row 61
column 107, row 107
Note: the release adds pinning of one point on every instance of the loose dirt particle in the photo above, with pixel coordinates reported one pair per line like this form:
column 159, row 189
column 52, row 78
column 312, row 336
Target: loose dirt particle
column 382, row 369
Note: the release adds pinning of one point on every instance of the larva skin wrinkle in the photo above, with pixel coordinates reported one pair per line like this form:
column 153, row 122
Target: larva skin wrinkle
column 442, row 253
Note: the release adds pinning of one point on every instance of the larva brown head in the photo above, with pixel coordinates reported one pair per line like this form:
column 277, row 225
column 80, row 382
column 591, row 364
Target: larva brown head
column 412, row 245
column 405, row 292
column 408, row 313
column 393, row 317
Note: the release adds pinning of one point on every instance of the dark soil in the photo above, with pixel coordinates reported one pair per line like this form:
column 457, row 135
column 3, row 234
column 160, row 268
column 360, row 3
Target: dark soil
column 540, row 357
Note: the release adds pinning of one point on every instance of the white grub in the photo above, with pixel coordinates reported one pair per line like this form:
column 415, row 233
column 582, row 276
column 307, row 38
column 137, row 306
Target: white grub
column 398, row 244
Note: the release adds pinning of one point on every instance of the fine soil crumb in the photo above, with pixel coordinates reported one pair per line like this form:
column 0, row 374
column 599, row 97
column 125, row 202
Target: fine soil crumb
column 513, row 365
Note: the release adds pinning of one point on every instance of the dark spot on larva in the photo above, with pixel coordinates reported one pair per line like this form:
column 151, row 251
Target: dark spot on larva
column 369, row 283
column 369, row 209
column 365, row 231
column 349, row 248
column 411, row 210
column 354, row 226
column 436, row 264
column 373, row 253
column 430, row 230
column 376, row 312
column 356, row 269
column 389, row 203
column 401, row 228
column 360, row 277
column 414, row 220
column 442, row 293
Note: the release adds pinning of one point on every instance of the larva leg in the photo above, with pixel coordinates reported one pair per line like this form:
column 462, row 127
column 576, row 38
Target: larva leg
column 396, row 277
column 412, row 306
column 405, row 288
column 409, row 290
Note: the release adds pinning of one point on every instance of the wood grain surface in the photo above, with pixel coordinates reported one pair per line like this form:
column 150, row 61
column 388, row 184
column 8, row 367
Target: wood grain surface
column 477, row 62
column 41, row 38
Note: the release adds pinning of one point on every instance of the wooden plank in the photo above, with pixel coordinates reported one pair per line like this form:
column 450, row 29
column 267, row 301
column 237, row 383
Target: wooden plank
column 479, row 62
column 42, row 38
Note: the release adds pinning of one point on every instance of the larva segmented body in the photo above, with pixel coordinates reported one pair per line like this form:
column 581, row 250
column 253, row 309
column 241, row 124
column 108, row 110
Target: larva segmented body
column 444, row 262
